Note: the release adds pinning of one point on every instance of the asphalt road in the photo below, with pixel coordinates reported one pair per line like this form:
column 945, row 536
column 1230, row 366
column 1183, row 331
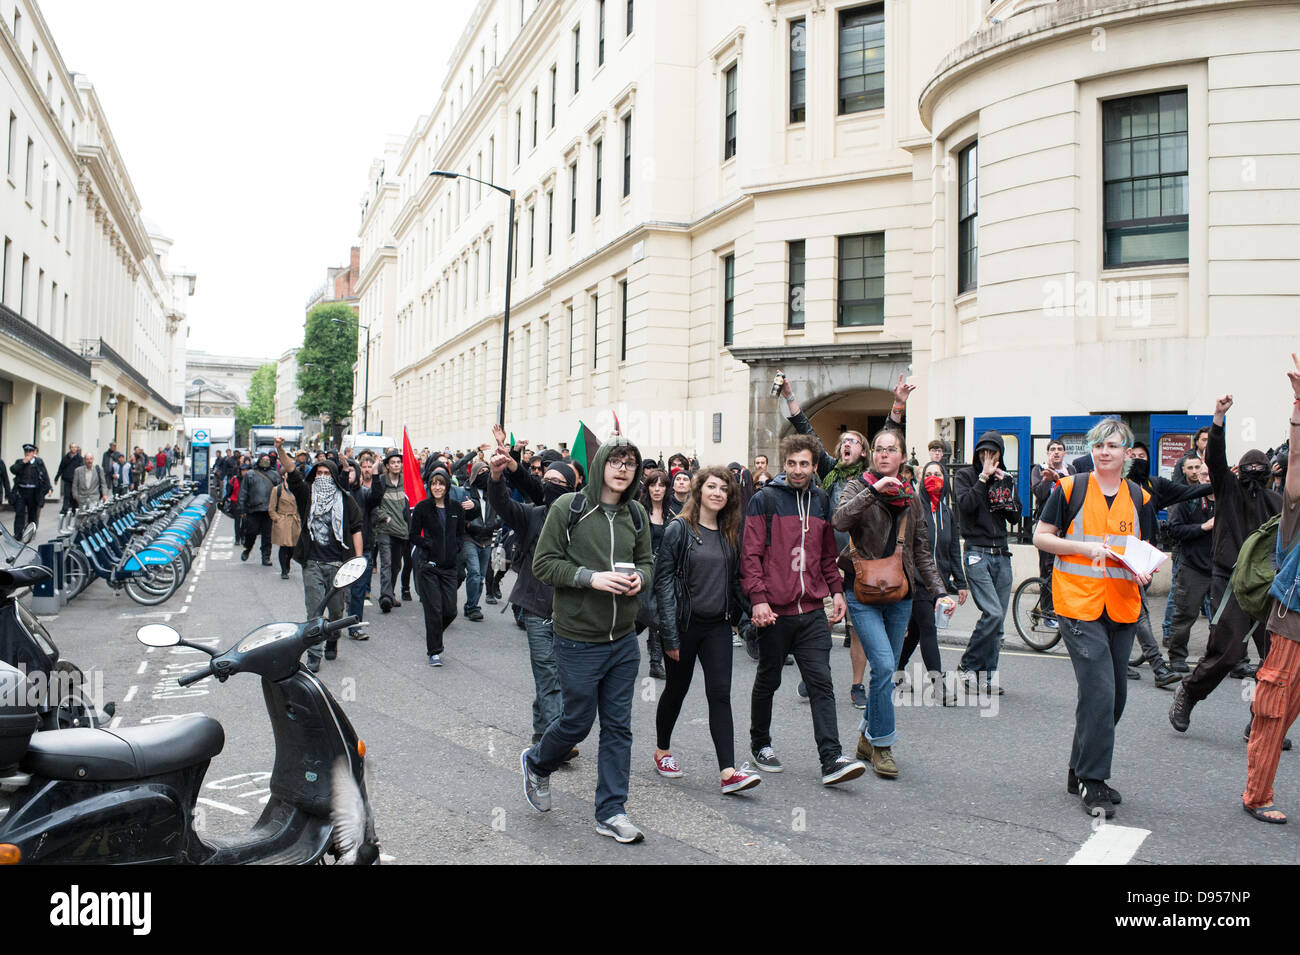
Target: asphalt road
column 977, row 784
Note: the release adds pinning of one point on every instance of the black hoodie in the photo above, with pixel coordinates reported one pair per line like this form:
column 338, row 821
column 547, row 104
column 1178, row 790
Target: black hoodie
column 1239, row 506
column 980, row 526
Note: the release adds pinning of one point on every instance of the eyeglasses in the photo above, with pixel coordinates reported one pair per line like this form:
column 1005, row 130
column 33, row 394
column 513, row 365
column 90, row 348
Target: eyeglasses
column 851, row 441
column 621, row 465
column 892, row 449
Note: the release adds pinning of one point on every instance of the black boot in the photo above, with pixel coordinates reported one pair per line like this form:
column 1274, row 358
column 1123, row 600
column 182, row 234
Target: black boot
column 656, row 647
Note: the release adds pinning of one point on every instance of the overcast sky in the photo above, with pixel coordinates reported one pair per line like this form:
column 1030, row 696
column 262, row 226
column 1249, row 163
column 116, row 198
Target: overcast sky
column 248, row 131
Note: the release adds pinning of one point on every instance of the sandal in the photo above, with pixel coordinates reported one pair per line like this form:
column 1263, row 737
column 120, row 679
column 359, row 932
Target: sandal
column 1261, row 811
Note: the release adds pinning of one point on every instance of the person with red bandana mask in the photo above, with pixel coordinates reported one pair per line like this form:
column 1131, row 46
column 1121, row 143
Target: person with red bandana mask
column 945, row 548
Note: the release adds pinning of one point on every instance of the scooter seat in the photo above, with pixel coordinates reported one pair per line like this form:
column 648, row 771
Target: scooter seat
column 124, row 753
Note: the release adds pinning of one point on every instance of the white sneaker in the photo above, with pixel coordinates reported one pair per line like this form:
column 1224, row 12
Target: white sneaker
column 620, row 828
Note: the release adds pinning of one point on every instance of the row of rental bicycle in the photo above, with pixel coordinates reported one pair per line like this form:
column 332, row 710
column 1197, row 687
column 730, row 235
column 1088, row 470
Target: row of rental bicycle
column 142, row 542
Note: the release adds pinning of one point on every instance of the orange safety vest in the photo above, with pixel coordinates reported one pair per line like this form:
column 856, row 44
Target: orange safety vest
column 1080, row 590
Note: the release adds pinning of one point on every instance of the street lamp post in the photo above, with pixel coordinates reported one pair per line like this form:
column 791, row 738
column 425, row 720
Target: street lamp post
column 510, row 244
column 365, row 407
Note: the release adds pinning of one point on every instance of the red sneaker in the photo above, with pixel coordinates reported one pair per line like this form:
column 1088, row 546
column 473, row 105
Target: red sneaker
column 740, row 781
column 667, row 766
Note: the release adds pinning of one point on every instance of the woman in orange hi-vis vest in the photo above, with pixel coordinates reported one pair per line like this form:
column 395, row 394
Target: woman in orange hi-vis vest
column 1098, row 601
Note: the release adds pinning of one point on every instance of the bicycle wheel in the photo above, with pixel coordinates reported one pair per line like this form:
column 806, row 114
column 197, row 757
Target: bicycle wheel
column 143, row 595
column 1036, row 627
column 160, row 578
column 76, row 572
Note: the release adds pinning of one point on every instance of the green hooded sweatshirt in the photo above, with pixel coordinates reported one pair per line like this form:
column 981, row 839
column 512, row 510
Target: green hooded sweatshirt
column 566, row 556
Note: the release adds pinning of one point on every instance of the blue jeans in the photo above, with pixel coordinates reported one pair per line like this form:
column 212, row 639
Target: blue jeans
column 880, row 629
column 988, row 572
column 595, row 678
column 357, row 592
column 548, row 702
column 475, row 559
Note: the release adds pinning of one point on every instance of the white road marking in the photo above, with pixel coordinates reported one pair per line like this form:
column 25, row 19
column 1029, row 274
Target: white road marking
column 1110, row 845
column 221, row 805
column 144, row 665
column 130, row 694
column 189, row 597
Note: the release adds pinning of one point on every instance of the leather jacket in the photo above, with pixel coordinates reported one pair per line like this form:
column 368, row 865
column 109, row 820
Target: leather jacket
column 870, row 523
column 671, row 573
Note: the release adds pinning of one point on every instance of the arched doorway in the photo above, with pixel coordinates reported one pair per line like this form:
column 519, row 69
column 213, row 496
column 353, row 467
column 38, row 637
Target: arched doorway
column 839, row 384
column 865, row 410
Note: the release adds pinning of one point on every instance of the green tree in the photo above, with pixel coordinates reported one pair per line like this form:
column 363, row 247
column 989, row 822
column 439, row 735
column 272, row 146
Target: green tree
column 260, row 409
column 329, row 350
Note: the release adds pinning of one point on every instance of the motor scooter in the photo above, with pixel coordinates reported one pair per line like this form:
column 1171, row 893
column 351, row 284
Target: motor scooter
column 127, row 795
column 64, row 697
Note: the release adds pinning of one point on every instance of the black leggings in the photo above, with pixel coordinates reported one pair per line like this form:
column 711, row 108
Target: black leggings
column 920, row 629
column 286, row 557
column 710, row 642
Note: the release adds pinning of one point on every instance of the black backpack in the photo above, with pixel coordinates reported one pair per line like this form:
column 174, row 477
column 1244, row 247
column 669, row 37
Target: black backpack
column 1079, row 490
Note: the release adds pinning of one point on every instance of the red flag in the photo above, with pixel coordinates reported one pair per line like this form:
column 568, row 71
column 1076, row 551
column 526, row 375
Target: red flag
column 411, row 481
column 618, row 428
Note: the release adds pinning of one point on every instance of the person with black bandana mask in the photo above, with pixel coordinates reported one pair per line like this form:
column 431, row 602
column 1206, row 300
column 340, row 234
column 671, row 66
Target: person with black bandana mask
column 1242, row 503
column 533, row 597
column 331, row 534
column 1164, row 493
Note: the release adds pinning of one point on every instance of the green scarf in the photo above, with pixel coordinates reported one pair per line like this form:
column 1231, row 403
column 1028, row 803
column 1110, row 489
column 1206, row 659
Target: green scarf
column 844, row 472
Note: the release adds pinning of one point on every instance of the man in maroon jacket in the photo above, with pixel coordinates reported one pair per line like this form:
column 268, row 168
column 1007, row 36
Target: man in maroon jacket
column 787, row 569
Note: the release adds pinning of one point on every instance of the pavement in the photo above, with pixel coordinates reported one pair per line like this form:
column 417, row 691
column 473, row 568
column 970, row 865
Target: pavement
column 978, row 783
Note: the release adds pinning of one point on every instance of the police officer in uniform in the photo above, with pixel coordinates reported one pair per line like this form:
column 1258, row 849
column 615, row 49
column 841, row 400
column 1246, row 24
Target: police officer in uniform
column 31, row 482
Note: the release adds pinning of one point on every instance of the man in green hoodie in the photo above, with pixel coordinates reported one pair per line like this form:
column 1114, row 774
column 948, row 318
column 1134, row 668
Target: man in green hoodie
column 585, row 551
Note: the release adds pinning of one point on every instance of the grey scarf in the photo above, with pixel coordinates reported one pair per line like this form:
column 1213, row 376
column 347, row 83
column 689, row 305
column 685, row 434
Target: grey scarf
column 326, row 511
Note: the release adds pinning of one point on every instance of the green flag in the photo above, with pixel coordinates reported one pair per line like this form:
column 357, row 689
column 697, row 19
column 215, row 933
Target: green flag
column 585, row 446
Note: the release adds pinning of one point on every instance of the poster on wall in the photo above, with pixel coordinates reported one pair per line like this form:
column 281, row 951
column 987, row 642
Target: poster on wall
column 1075, row 445
column 1173, row 448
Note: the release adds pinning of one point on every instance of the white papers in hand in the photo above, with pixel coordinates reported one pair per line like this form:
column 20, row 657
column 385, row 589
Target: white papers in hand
column 1139, row 556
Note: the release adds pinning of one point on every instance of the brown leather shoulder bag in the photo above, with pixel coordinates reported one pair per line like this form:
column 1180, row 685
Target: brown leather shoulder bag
column 884, row 579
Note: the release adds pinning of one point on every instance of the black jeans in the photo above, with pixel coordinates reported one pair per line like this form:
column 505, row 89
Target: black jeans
column 920, row 629
column 710, row 643
column 286, row 559
column 1190, row 589
column 1227, row 644
column 255, row 523
column 808, row 637
column 437, row 587
column 1099, row 650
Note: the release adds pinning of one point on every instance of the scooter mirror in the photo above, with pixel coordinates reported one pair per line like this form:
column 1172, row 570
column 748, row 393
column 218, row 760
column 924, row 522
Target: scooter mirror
column 158, row 635
column 349, row 572
column 28, row 533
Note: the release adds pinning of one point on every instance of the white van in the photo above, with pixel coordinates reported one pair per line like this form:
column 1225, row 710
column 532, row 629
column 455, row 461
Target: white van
column 369, row 441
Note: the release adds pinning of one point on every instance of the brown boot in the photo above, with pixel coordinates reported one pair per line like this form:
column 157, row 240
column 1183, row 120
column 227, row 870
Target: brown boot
column 882, row 761
column 865, row 749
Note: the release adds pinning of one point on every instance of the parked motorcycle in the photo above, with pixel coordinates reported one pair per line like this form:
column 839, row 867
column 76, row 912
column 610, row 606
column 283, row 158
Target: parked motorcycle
column 127, row 795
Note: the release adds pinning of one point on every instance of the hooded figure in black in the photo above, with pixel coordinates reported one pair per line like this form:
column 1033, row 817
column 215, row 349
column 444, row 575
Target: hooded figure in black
column 437, row 533
column 530, row 595
column 331, row 533
column 1242, row 502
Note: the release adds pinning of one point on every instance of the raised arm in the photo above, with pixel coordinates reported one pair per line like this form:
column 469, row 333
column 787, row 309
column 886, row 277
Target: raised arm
column 1293, row 459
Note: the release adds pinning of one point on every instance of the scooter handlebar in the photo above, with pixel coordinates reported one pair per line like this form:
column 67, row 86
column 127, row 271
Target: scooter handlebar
column 192, row 678
column 342, row 624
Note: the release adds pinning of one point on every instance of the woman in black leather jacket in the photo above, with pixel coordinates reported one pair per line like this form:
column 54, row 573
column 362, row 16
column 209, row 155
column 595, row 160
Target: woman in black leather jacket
column 697, row 589
column 655, row 498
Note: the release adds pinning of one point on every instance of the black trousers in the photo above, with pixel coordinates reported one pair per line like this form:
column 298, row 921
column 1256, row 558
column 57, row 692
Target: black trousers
column 27, row 508
column 920, row 629
column 286, row 559
column 437, row 589
column 1045, row 562
column 808, row 637
column 258, row 522
column 69, row 503
column 710, row 643
column 1227, row 644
